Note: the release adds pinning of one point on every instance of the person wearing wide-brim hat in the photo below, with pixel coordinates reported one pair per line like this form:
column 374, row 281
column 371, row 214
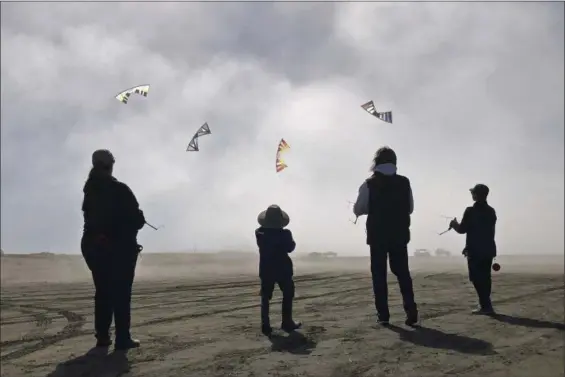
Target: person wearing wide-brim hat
column 275, row 266
column 112, row 219
column 273, row 218
column 479, row 223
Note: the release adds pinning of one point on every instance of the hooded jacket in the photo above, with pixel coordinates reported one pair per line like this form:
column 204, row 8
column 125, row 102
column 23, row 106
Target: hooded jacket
column 386, row 198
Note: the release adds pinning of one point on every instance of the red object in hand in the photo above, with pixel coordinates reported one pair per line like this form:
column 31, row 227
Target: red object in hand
column 496, row 267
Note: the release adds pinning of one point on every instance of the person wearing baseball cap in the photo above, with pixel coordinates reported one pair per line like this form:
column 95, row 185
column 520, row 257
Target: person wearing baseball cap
column 112, row 219
column 103, row 158
column 478, row 224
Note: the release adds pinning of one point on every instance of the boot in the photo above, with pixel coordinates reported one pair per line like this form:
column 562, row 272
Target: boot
column 411, row 315
column 127, row 344
column 103, row 340
column 484, row 310
column 383, row 319
column 383, row 314
column 485, row 305
column 288, row 323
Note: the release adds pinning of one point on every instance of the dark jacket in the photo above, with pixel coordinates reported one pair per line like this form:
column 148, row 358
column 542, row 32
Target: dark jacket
column 110, row 209
column 479, row 223
column 274, row 246
column 390, row 205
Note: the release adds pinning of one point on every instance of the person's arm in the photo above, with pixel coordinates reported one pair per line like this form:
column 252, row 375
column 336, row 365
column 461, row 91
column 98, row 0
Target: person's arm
column 258, row 237
column 494, row 230
column 130, row 207
column 411, row 198
column 361, row 206
column 461, row 227
column 288, row 241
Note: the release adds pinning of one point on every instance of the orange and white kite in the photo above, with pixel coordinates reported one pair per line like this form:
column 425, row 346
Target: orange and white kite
column 283, row 147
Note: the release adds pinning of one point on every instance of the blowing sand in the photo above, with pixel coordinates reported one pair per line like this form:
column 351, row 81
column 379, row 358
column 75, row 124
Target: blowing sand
column 198, row 316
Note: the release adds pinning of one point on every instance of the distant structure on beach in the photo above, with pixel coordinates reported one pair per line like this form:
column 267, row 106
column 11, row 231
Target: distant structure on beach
column 317, row 255
column 442, row 253
column 422, row 253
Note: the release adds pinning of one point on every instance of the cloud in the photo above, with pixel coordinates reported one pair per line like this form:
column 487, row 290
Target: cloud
column 476, row 91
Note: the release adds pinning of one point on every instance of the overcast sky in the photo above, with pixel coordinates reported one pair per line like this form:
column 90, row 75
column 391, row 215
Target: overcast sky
column 476, row 90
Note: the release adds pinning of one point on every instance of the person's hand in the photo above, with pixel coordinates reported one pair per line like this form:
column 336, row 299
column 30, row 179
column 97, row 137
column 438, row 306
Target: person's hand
column 453, row 223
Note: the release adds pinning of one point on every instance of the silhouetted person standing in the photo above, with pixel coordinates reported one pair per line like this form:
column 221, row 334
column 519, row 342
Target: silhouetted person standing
column 112, row 219
column 386, row 199
column 275, row 266
column 479, row 223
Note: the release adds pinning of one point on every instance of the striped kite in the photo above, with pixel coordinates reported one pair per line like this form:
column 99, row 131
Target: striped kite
column 142, row 90
column 283, row 147
column 370, row 108
column 193, row 144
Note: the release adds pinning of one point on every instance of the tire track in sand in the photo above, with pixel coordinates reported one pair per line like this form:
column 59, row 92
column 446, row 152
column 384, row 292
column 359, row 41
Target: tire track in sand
column 74, row 324
column 76, row 321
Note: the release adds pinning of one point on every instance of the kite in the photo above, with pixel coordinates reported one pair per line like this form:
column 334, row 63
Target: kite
column 193, row 145
column 283, row 147
column 370, row 108
column 123, row 97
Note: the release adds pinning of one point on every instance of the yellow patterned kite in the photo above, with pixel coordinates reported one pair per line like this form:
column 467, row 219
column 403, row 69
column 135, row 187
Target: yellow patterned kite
column 283, row 146
column 142, row 90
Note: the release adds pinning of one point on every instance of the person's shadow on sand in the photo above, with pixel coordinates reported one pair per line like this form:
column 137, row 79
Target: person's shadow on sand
column 96, row 362
column 295, row 343
column 431, row 338
column 528, row 322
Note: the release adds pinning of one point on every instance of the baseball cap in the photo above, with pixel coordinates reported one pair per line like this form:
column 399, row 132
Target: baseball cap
column 103, row 157
column 480, row 189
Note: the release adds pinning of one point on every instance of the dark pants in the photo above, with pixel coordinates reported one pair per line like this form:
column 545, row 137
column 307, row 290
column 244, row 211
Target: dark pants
column 113, row 271
column 267, row 287
column 480, row 276
column 399, row 266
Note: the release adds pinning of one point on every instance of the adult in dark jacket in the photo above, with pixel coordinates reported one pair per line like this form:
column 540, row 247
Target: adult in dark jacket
column 275, row 266
column 386, row 199
column 479, row 223
column 112, row 219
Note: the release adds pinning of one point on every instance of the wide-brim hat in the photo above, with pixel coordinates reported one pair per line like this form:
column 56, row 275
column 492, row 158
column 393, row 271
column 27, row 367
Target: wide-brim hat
column 273, row 217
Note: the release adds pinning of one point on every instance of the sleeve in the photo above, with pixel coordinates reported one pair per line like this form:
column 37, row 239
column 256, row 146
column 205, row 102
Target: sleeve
column 411, row 198
column 130, row 207
column 462, row 228
column 361, row 206
column 290, row 245
column 494, row 230
column 258, row 235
